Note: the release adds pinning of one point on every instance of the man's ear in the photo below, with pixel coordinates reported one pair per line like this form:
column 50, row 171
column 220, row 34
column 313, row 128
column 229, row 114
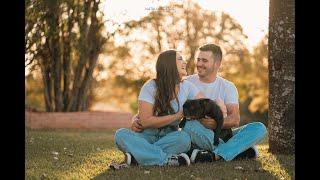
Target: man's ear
column 217, row 63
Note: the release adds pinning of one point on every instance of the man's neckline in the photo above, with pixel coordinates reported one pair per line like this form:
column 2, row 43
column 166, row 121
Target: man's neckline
column 215, row 80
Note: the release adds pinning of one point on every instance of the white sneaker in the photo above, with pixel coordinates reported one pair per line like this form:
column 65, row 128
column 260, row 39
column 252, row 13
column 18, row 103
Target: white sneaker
column 128, row 158
column 179, row 160
column 201, row 156
column 256, row 151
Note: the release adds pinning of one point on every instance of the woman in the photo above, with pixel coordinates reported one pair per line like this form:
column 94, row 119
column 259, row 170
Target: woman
column 160, row 111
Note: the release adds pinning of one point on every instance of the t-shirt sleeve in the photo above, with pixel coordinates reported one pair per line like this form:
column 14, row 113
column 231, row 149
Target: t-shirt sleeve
column 192, row 89
column 231, row 95
column 147, row 92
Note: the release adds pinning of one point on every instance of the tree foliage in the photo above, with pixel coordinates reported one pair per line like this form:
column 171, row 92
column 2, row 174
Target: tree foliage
column 180, row 26
column 64, row 38
column 131, row 54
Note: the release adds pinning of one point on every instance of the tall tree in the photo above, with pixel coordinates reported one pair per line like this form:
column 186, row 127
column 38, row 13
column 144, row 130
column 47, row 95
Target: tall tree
column 64, row 38
column 282, row 76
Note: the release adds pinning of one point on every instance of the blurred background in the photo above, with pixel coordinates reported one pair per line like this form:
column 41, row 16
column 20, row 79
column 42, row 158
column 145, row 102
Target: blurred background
column 95, row 55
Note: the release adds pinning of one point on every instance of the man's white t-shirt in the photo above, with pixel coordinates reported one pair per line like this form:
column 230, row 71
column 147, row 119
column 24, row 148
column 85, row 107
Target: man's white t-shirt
column 218, row 89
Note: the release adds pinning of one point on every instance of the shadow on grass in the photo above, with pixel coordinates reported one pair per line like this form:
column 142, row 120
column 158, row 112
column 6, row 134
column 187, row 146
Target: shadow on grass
column 237, row 169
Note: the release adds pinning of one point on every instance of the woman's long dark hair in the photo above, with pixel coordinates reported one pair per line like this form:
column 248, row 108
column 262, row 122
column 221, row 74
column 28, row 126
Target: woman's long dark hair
column 166, row 80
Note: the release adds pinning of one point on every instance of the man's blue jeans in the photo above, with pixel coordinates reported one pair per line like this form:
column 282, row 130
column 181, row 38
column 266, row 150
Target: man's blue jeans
column 243, row 138
column 152, row 146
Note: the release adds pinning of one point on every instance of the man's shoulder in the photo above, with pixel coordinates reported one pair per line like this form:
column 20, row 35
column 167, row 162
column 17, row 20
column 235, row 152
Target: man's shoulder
column 226, row 82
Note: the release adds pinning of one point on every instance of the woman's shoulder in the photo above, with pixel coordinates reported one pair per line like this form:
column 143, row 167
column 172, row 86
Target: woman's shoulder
column 150, row 83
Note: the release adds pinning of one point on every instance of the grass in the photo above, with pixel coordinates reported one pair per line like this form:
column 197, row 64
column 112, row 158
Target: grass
column 82, row 154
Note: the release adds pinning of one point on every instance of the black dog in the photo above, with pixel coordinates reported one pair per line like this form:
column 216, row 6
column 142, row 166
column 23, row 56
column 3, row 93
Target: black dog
column 200, row 108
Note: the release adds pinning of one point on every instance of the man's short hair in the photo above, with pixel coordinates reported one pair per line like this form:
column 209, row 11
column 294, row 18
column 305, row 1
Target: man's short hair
column 216, row 50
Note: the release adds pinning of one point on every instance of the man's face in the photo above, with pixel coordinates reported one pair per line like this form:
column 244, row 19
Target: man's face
column 206, row 65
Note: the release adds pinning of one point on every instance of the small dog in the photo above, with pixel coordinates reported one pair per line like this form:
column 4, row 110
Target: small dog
column 201, row 108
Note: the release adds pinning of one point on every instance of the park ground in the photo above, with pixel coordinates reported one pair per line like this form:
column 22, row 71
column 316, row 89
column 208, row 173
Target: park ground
column 87, row 154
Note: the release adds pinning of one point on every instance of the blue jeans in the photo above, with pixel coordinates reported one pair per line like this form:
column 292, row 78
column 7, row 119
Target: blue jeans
column 243, row 138
column 152, row 146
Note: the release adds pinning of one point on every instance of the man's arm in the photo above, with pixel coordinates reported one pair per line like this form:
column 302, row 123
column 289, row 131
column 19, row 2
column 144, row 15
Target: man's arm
column 233, row 116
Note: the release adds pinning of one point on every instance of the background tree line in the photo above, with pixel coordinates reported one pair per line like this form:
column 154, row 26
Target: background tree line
column 63, row 41
column 74, row 63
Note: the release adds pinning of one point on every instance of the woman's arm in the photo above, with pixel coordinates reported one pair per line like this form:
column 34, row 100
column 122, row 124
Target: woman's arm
column 148, row 120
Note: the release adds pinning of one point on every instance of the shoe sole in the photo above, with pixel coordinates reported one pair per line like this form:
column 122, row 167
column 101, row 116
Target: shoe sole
column 186, row 157
column 128, row 158
column 194, row 155
column 256, row 151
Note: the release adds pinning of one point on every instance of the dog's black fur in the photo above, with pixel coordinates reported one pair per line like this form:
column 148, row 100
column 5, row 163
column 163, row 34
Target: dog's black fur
column 200, row 108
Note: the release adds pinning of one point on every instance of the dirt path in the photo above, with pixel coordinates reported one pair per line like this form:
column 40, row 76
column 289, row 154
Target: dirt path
column 79, row 120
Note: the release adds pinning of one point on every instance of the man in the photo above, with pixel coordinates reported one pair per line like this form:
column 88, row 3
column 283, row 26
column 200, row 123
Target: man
column 225, row 93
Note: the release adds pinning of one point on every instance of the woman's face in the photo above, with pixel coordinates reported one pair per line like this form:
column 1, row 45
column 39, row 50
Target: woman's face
column 181, row 65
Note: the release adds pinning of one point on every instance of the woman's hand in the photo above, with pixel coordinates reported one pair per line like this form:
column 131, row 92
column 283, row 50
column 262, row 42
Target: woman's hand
column 136, row 125
column 179, row 115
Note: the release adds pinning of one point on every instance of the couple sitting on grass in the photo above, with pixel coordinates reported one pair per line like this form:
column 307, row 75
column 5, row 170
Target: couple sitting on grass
column 155, row 139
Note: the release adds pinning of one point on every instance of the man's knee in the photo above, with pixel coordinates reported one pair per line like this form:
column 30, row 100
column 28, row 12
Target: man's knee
column 191, row 126
column 200, row 136
column 259, row 127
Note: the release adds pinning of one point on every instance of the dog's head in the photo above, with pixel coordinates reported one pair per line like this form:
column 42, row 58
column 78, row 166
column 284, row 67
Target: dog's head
column 197, row 108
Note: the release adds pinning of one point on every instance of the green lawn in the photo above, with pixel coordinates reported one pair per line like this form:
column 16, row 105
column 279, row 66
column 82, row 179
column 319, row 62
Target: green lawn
column 79, row 154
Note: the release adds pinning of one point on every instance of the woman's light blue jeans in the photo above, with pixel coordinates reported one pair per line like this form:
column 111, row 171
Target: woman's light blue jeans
column 243, row 138
column 152, row 146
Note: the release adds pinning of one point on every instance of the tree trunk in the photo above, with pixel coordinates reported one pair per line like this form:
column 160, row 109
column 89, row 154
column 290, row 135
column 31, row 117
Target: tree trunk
column 57, row 63
column 282, row 77
column 74, row 100
column 46, row 89
column 95, row 43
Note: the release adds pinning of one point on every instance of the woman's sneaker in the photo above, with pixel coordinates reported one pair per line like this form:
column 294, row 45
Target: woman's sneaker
column 202, row 156
column 179, row 160
column 130, row 160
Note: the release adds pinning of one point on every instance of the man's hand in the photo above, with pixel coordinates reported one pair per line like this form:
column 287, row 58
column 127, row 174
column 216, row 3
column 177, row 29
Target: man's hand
column 135, row 125
column 208, row 123
column 222, row 106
